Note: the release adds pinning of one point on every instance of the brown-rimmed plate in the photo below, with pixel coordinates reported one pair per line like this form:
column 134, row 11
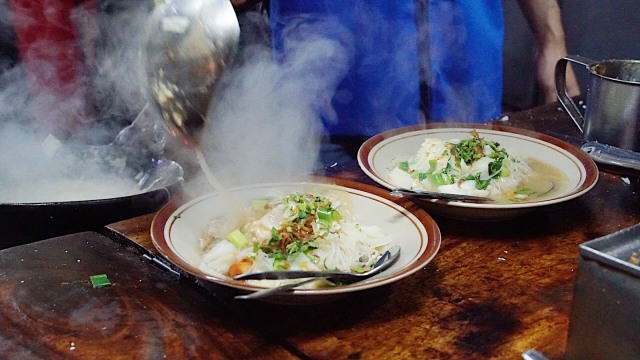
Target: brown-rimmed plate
column 377, row 154
column 176, row 230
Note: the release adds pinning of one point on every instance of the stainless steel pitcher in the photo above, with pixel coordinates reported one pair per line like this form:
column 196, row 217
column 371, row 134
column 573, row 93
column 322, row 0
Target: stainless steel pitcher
column 612, row 114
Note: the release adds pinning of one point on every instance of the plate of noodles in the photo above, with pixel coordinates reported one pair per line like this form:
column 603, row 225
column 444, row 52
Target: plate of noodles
column 520, row 170
column 327, row 224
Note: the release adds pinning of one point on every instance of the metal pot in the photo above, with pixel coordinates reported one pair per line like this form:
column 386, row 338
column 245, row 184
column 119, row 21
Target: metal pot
column 22, row 223
column 612, row 114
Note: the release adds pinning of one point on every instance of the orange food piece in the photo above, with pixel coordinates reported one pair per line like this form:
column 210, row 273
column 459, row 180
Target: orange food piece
column 240, row 267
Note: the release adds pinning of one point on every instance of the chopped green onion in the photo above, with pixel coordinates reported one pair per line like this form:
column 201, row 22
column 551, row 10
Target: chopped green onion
column 100, row 280
column 275, row 237
column 280, row 264
column 432, row 165
column 325, row 214
column 238, row 239
column 438, row 179
column 403, row 165
column 505, row 171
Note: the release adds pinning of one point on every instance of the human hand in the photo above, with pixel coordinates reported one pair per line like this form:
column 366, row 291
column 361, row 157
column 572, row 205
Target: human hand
column 544, row 18
column 546, row 59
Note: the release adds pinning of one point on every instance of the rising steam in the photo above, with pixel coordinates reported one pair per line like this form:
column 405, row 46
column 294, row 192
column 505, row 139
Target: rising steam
column 265, row 125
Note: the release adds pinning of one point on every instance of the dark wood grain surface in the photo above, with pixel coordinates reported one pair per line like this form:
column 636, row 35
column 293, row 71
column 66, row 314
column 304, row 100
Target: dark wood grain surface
column 50, row 310
column 493, row 291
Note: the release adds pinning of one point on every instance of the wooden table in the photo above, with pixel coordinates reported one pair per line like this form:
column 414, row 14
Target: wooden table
column 494, row 290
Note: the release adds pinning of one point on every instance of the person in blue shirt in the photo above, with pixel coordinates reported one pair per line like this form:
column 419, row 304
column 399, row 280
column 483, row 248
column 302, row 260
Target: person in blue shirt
column 411, row 61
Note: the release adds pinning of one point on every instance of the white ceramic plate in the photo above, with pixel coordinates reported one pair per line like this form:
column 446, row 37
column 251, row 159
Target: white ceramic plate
column 377, row 153
column 176, row 230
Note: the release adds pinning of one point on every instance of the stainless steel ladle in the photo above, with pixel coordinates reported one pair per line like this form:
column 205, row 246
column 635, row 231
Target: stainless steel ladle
column 188, row 45
column 385, row 261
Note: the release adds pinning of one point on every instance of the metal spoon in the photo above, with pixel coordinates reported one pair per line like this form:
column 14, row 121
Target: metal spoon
column 187, row 47
column 539, row 190
column 386, row 260
column 438, row 195
column 276, row 290
column 533, row 354
column 611, row 155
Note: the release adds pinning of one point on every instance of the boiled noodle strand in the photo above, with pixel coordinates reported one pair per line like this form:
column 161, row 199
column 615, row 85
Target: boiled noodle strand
column 226, row 197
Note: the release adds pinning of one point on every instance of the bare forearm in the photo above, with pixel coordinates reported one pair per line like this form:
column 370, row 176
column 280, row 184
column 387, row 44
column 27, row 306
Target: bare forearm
column 545, row 20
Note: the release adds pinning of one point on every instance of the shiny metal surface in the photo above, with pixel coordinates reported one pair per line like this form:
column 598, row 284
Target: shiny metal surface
column 439, row 196
column 188, row 45
column 612, row 114
column 610, row 155
column 386, row 260
column 605, row 312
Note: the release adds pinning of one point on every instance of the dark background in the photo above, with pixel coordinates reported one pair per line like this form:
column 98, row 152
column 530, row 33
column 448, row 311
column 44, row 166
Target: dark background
column 596, row 29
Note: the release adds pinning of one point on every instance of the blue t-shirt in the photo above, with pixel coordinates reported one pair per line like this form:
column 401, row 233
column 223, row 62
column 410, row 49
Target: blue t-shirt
column 465, row 59
column 374, row 69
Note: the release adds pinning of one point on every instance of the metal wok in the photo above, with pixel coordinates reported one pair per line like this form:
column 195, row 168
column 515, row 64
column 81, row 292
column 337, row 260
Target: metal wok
column 22, row 223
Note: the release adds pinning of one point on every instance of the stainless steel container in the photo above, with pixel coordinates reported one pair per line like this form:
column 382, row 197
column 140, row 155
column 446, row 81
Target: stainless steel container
column 605, row 316
column 612, row 114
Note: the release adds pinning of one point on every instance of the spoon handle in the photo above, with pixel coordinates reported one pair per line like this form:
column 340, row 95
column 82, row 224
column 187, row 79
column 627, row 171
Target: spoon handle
column 290, row 274
column 274, row 291
column 438, row 195
column 385, row 260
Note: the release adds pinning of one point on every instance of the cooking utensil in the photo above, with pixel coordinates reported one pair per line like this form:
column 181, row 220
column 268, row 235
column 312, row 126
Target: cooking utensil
column 386, row 260
column 612, row 114
column 618, row 158
column 539, row 191
column 533, row 354
column 260, row 294
column 603, row 322
column 136, row 152
column 188, row 45
column 438, row 195
column 612, row 155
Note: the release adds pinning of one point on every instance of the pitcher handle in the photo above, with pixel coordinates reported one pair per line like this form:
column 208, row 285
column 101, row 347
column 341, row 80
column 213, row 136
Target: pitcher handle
column 561, row 87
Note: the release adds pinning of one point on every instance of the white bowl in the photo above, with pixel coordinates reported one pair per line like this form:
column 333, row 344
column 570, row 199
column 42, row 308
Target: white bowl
column 377, row 153
column 176, row 230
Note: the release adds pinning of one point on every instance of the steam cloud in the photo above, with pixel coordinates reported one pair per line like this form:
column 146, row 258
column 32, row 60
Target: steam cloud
column 264, row 126
column 36, row 101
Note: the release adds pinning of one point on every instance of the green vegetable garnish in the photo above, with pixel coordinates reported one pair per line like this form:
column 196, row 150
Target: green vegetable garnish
column 100, row 280
column 439, row 179
column 473, row 149
column 238, row 239
column 505, row 171
column 325, row 214
column 358, row 269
